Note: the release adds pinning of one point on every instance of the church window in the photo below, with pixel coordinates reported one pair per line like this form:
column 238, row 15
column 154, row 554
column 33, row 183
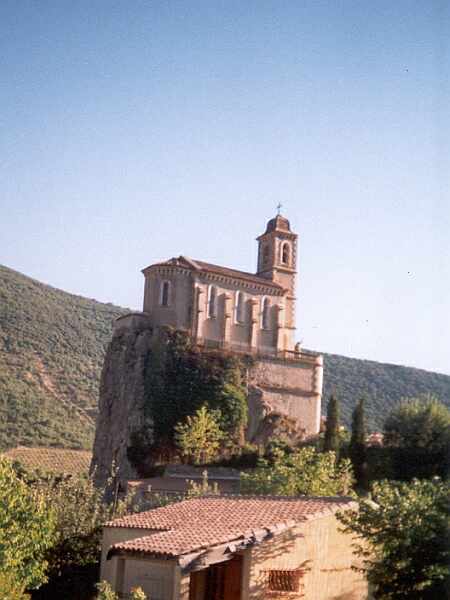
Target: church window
column 265, row 308
column 212, row 301
column 239, row 307
column 285, row 253
column 164, row 298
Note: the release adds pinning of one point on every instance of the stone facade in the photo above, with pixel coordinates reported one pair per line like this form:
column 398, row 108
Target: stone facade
column 228, row 308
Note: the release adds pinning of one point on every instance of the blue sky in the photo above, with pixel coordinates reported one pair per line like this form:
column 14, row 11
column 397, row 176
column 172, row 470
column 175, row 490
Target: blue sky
column 135, row 131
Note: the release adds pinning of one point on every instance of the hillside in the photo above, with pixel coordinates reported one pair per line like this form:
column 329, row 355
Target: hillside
column 382, row 384
column 51, row 350
column 52, row 346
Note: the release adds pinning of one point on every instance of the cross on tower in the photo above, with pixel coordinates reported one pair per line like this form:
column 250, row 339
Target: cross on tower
column 279, row 207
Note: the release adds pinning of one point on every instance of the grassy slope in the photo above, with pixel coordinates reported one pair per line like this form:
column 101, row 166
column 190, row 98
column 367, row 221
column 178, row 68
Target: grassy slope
column 51, row 351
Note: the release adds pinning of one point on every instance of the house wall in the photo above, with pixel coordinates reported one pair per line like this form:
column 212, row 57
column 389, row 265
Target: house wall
column 318, row 547
column 158, row 578
column 111, row 536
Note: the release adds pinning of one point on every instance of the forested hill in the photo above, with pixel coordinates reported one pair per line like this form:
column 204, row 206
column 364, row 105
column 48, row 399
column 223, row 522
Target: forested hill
column 51, row 351
column 381, row 384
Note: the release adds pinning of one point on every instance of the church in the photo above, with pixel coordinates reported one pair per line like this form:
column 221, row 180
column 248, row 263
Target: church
column 254, row 313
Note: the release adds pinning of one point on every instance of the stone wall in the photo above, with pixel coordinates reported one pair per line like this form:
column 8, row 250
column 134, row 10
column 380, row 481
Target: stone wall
column 289, row 387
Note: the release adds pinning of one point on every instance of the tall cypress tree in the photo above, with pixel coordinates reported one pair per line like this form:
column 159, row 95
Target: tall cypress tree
column 332, row 440
column 357, row 448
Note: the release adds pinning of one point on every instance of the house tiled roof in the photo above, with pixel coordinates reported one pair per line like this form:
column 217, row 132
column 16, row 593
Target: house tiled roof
column 51, row 460
column 218, row 270
column 197, row 524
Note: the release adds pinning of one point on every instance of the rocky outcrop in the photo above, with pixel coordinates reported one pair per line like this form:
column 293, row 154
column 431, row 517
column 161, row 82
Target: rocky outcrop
column 121, row 404
column 153, row 379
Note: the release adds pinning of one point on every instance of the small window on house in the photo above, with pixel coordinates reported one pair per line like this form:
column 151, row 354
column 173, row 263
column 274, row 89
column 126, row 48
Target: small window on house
column 265, row 308
column 285, row 253
column 212, row 301
column 284, row 581
column 239, row 307
column 164, row 298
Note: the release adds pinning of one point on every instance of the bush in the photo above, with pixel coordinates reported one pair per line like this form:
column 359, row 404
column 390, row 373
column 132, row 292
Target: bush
column 405, row 539
column 303, row 471
column 27, row 530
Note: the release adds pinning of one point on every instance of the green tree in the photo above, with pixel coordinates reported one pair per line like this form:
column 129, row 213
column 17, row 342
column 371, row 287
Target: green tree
column 27, row 530
column 403, row 538
column 418, row 431
column 332, row 429
column 357, row 446
column 199, row 437
column 305, row 471
column 80, row 512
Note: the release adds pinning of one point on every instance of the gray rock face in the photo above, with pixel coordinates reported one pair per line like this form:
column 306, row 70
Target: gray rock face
column 121, row 404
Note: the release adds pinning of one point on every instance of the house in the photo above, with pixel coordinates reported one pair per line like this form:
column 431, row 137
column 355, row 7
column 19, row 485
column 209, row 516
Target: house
column 234, row 548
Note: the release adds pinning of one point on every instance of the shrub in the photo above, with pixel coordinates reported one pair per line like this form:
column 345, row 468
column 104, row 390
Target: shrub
column 27, row 530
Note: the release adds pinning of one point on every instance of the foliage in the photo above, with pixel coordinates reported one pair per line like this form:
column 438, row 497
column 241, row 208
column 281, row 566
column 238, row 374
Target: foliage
column 332, row 433
column 384, row 385
column 417, row 434
column 138, row 594
column 10, row 588
column 357, row 447
column 180, row 379
column 27, row 529
column 305, row 471
column 80, row 512
column 52, row 346
column 197, row 490
column 105, row 591
column 418, row 423
column 198, row 438
column 403, row 539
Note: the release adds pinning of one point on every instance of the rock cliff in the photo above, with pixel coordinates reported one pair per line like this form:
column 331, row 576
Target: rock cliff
column 151, row 381
column 121, row 404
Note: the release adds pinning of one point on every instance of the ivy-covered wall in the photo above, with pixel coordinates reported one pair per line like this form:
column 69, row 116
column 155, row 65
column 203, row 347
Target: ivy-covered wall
column 179, row 378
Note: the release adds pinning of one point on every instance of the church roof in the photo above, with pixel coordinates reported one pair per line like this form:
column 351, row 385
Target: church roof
column 201, row 266
column 278, row 223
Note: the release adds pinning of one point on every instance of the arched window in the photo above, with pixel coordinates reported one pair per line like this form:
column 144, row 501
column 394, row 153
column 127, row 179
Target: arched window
column 265, row 308
column 164, row 297
column 285, row 253
column 239, row 308
column 212, row 301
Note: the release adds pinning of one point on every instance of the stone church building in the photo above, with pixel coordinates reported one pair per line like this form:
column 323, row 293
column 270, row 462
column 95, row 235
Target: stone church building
column 253, row 313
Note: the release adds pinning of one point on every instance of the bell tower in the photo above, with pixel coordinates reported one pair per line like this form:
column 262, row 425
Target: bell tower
column 277, row 261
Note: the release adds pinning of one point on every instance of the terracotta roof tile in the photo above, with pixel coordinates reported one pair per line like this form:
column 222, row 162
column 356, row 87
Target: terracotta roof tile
column 200, row 523
column 52, row 460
